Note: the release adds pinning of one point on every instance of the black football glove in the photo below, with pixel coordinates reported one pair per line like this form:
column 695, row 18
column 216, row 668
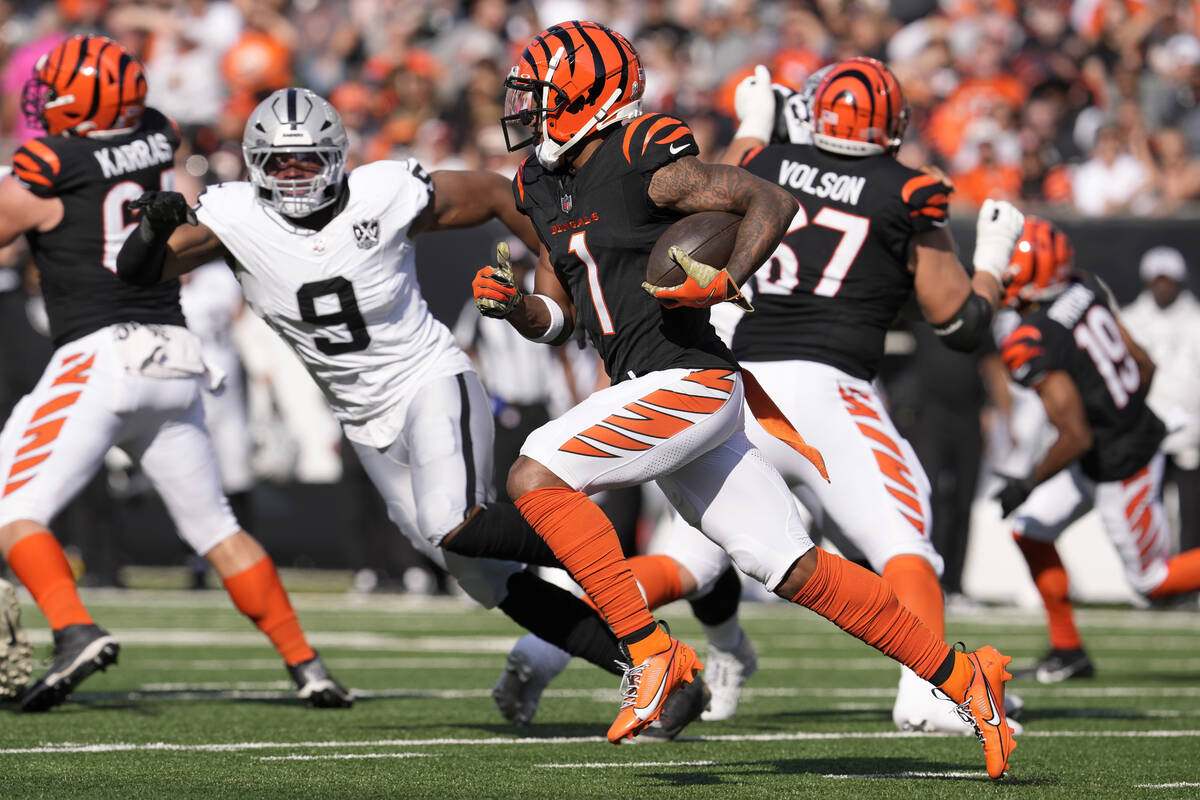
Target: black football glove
column 163, row 212
column 1014, row 493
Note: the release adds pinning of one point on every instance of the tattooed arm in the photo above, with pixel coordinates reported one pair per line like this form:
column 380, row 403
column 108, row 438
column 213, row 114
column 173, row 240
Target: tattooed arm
column 689, row 185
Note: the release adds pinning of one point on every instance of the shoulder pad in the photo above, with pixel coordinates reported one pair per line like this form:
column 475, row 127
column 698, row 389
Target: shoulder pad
column 155, row 120
column 37, row 167
column 750, row 155
column 927, row 199
column 529, row 172
column 652, row 140
column 1024, row 353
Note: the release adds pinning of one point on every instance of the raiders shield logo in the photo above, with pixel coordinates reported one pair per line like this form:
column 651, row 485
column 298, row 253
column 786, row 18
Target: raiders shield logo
column 366, row 233
column 565, row 203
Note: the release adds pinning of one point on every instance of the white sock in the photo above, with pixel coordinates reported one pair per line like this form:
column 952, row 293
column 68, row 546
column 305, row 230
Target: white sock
column 726, row 635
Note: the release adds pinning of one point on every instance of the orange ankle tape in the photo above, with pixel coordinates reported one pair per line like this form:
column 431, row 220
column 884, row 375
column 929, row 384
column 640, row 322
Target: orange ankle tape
column 259, row 594
column 864, row 605
column 916, row 586
column 1050, row 577
column 654, row 643
column 956, row 685
column 40, row 563
column 584, row 541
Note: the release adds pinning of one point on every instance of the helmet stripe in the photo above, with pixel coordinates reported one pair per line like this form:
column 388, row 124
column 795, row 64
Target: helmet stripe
column 291, row 107
column 598, row 67
column 94, row 105
column 558, row 32
column 621, row 45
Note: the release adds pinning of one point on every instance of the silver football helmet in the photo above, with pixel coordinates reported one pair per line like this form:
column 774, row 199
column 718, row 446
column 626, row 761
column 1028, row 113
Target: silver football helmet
column 793, row 110
column 296, row 121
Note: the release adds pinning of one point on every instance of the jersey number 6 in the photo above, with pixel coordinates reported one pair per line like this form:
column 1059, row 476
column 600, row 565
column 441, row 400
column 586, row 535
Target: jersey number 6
column 347, row 314
column 783, row 274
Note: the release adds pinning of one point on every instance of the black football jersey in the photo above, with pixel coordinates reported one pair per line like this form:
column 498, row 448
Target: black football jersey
column 837, row 281
column 1078, row 334
column 94, row 177
column 599, row 226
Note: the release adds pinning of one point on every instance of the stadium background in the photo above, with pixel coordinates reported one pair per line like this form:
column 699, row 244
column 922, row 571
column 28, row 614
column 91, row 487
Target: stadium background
column 1087, row 111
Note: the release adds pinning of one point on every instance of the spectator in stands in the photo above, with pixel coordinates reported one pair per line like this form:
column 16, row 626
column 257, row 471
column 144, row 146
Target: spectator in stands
column 1165, row 320
column 991, row 176
column 1178, row 171
column 1112, row 181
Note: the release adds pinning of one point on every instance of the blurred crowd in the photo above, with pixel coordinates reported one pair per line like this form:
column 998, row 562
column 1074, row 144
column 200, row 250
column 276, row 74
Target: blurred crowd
column 1090, row 106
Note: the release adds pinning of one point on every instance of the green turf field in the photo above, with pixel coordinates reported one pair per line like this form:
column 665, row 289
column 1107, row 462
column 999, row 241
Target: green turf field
column 200, row 707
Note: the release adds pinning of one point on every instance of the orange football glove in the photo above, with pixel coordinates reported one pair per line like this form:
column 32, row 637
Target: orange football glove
column 705, row 286
column 495, row 289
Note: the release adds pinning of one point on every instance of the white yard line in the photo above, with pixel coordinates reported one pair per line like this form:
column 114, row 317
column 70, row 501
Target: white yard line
column 342, row 756
column 627, row 764
column 114, row 747
column 1179, row 785
column 973, row 775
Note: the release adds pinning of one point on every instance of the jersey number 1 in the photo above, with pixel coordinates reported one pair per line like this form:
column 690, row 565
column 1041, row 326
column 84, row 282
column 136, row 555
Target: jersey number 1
column 347, row 314
column 578, row 246
column 1099, row 335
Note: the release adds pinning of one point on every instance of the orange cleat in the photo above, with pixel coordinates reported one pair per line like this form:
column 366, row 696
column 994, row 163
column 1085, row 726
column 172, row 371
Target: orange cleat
column 983, row 708
column 646, row 686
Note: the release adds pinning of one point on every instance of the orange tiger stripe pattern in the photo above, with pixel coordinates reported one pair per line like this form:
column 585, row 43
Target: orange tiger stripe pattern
column 658, row 416
column 87, row 84
column 42, row 434
column 1021, row 346
column 889, row 458
column 860, row 101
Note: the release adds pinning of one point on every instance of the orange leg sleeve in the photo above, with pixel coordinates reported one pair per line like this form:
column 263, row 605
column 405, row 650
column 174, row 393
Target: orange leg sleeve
column 1051, row 579
column 259, row 594
column 39, row 561
column 865, row 606
column 916, row 586
column 584, row 540
column 658, row 577
column 1183, row 575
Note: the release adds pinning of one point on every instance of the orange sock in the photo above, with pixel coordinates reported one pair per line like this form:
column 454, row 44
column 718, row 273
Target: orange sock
column 917, row 588
column 658, row 577
column 258, row 593
column 1183, row 575
column 863, row 604
column 1051, row 579
column 39, row 561
column 585, row 542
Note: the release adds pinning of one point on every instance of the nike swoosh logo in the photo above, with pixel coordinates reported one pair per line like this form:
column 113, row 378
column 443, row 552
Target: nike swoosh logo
column 994, row 721
column 679, row 148
column 644, row 712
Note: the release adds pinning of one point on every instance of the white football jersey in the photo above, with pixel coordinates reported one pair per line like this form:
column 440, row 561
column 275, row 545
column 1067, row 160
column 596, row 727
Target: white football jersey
column 345, row 298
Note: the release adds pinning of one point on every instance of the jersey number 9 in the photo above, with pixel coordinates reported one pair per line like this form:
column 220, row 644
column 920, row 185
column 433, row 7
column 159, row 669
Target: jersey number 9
column 347, row 314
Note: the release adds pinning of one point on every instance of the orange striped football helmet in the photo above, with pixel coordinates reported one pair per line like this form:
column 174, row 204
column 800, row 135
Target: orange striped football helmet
column 574, row 78
column 87, row 84
column 858, row 109
column 1041, row 263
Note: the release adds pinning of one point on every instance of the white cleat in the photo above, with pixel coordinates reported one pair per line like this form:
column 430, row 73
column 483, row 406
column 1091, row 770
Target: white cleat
column 921, row 708
column 725, row 672
column 531, row 665
column 16, row 653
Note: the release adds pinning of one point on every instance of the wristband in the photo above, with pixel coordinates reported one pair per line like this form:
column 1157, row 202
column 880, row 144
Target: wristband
column 557, row 320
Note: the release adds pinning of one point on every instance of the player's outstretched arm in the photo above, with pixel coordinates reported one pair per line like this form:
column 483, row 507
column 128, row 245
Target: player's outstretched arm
column 547, row 315
column 462, row 198
column 754, row 103
column 1064, row 408
column 21, row 210
column 690, row 186
column 167, row 242
column 959, row 307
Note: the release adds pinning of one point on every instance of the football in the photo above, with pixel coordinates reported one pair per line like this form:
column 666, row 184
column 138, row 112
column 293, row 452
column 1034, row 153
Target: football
column 707, row 237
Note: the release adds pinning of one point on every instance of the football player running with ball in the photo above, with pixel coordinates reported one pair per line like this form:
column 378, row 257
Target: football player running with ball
column 325, row 256
column 870, row 233
column 1092, row 379
column 125, row 371
column 604, row 184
